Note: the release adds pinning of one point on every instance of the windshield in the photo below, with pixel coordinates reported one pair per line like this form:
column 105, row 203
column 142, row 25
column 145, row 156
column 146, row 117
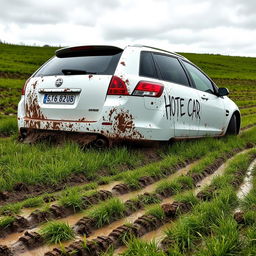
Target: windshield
column 103, row 64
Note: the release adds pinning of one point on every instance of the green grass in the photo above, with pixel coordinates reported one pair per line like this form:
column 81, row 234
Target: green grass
column 186, row 233
column 146, row 199
column 23, row 59
column 55, row 232
column 136, row 247
column 248, row 120
column 6, row 221
column 156, row 211
column 106, row 211
column 8, row 209
column 33, row 202
column 211, row 224
column 223, row 240
column 72, row 198
column 8, row 126
column 44, row 164
column 219, row 66
column 172, row 187
column 187, row 198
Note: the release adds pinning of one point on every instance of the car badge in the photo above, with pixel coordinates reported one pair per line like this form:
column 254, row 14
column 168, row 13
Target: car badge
column 59, row 82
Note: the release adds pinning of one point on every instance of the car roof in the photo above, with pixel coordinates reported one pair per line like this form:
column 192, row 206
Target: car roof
column 158, row 50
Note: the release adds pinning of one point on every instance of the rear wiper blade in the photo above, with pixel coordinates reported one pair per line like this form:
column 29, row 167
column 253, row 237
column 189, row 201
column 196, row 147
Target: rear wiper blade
column 76, row 72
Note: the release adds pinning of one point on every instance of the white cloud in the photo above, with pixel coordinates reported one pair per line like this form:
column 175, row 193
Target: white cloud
column 213, row 26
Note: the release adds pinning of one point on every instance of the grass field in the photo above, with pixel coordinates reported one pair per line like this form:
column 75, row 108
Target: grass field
column 182, row 199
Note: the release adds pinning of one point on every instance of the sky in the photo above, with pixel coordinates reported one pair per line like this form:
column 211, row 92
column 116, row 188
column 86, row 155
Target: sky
column 202, row 26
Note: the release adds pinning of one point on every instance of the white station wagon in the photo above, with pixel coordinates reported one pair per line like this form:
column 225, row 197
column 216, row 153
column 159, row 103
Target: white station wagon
column 107, row 93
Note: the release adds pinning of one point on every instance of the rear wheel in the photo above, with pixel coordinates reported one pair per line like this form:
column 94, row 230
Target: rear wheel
column 232, row 127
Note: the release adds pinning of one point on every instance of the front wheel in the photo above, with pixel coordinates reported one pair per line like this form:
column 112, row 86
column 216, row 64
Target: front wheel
column 232, row 126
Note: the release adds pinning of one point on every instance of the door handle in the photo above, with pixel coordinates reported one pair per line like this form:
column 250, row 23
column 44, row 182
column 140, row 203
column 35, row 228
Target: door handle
column 204, row 98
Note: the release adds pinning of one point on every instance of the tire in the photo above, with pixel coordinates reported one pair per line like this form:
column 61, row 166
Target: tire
column 232, row 126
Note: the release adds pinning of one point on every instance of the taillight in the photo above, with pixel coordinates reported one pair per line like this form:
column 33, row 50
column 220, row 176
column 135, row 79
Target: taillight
column 149, row 89
column 24, row 87
column 117, row 87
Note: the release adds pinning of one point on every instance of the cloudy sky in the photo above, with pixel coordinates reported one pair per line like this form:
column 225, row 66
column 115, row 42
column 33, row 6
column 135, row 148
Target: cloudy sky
column 211, row 26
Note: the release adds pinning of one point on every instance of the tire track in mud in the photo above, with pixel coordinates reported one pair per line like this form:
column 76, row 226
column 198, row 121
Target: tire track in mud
column 38, row 217
column 243, row 191
column 196, row 177
column 143, row 219
column 158, row 234
column 140, row 227
column 237, row 182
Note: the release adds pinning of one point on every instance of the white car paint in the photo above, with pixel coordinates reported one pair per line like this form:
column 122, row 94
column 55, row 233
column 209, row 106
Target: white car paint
column 180, row 112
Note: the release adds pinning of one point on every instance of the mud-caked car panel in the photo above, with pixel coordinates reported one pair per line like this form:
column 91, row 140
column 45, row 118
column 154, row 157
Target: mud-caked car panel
column 138, row 93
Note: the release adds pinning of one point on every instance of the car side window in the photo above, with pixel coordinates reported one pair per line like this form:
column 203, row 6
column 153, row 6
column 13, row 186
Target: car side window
column 202, row 83
column 171, row 69
column 147, row 66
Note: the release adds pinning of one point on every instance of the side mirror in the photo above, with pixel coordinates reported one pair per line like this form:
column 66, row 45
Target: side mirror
column 223, row 92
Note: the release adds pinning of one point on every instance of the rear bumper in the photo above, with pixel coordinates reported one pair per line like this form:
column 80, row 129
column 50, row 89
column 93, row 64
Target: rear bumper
column 121, row 119
column 113, row 131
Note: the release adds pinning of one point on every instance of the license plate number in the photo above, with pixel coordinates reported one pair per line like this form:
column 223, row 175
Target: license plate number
column 59, row 99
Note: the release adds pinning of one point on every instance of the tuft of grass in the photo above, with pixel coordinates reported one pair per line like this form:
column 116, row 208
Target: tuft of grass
column 136, row 247
column 249, row 202
column 186, row 182
column 107, row 211
column 89, row 186
column 250, row 218
column 156, row 211
column 149, row 199
column 5, row 221
column 172, row 187
column 187, row 197
column 72, row 198
column 55, row 232
column 10, row 208
column 132, row 179
column 33, row 202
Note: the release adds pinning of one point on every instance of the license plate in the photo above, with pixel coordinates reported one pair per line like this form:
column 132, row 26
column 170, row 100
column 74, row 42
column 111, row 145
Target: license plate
column 59, row 99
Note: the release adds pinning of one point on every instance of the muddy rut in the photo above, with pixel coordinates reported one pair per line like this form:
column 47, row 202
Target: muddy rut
column 84, row 226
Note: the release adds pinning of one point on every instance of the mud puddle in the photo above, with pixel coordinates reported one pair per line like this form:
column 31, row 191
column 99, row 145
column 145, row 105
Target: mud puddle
column 25, row 212
column 151, row 188
column 208, row 180
column 157, row 235
column 43, row 249
column 108, row 186
column 247, row 184
column 11, row 239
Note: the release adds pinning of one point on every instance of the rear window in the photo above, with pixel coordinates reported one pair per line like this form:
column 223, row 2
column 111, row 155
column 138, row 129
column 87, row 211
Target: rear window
column 100, row 64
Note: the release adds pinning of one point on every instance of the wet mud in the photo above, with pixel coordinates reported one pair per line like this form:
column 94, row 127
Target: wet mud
column 142, row 224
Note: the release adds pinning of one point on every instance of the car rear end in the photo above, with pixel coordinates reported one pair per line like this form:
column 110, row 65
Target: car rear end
column 93, row 90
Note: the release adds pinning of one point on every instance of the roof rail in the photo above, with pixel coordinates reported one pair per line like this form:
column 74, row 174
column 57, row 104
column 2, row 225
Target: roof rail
column 154, row 48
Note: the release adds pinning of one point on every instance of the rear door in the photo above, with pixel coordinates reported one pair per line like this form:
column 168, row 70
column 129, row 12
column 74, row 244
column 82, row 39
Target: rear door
column 181, row 101
column 212, row 108
column 73, row 85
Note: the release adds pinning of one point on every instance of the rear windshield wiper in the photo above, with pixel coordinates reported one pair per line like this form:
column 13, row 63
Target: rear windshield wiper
column 76, row 72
